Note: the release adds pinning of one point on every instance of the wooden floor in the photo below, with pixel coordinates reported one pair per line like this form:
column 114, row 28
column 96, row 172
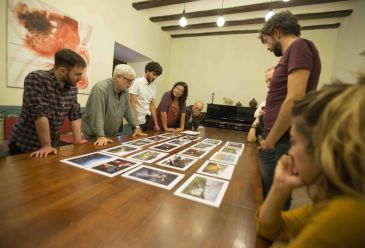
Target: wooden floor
column 45, row 203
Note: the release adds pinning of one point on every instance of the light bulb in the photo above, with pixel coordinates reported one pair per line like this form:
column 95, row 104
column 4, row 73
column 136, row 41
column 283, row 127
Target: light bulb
column 183, row 21
column 220, row 21
column 269, row 15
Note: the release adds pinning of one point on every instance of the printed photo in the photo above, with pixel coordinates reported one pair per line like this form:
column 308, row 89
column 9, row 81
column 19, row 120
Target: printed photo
column 157, row 138
column 204, row 146
column 212, row 141
column 189, row 132
column 121, row 150
column 114, row 167
column 178, row 142
column 193, row 152
column 148, row 156
column 235, row 144
column 231, row 150
column 225, row 158
column 170, row 135
column 153, row 176
column 177, row 162
column 88, row 160
column 190, row 137
column 165, row 147
column 216, row 169
column 203, row 189
column 139, row 143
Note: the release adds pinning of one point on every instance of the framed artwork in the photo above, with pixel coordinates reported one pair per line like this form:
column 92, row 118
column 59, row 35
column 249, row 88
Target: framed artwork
column 36, row 31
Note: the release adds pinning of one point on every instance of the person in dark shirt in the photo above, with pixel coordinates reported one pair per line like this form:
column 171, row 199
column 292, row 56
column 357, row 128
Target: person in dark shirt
column 193, row 116
column 49, row 97
column 296, row 74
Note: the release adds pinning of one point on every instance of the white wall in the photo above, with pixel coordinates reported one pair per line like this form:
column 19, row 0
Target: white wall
column 351, row 42
column 233, row 66
column 112, row 21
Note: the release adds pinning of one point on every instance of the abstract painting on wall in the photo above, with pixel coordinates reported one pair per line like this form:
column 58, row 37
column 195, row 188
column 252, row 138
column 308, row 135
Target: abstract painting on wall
column 35, row 32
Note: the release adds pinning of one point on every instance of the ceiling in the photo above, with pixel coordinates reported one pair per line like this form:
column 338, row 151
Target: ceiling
column 241, row 16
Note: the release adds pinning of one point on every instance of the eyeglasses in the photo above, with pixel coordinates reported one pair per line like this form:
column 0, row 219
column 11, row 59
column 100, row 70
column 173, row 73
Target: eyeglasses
column 130, row 81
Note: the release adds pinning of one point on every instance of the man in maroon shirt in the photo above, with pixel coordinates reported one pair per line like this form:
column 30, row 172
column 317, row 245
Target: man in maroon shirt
column 296, row 74
column 49, row 96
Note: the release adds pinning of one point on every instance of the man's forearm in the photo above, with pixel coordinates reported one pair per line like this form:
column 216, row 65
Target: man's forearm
column 154, row 115
column 76, row 130
column 43, row 132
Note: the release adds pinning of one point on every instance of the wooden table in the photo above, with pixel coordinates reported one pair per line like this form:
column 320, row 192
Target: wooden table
column 45, row 203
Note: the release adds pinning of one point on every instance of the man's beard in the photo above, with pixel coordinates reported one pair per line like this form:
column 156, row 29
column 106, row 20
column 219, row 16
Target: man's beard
column 67, row 80
column 277, row 50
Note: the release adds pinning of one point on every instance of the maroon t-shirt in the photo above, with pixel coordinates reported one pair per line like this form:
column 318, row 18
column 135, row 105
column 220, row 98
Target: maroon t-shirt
column 301, row 54
column 173, row 112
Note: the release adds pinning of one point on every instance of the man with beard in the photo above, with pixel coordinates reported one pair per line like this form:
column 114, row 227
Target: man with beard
column 143, row 95
column 296, row 74
column 49, row 97
column 107, row 105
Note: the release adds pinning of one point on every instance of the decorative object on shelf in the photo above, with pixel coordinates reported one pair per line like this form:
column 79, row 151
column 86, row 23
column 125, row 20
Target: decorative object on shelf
column 239, row 104
column 253, row 103
column 212, row 97
column 228, row 101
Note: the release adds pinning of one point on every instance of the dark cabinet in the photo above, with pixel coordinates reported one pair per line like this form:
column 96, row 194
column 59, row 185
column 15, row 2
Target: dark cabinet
column 229, row 117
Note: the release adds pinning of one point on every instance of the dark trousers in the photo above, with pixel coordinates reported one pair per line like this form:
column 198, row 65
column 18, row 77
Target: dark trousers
column 147, row 126
column 268, row 161
column 14, row 149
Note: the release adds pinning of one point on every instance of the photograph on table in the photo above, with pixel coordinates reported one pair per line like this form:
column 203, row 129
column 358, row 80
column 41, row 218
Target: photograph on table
column 225, row 157
column 179, row 142
column 153, row 176
column 170, row 135
column 164, row 147
column 89, row 159
column 148, row 156
column 193, row 152
column 114, row 167
column 204, row 146
column 139, row 142
column 121, row 150
column 190, row 137
column 217, row 169
column 235, row 144
column 157, row 138
column 177, row 162
column 231, row 150
column 212, row 141
column 203, row 189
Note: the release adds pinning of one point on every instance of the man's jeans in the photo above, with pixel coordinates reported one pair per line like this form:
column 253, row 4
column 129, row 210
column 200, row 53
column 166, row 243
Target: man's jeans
column 268, row 160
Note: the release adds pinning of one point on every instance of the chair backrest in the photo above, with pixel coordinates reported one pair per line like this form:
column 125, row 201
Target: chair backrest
column 8, row 125
column 66, row 127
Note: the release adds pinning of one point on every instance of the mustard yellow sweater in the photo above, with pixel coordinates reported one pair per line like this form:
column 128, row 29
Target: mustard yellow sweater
column 339, row 222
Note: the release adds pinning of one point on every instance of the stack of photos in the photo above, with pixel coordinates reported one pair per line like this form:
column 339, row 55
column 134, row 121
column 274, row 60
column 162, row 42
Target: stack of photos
column 179, row 142
column 189, row 132
column 190, row 137
column 148, row 156
column 88, row 160
column 153, row 176
column 204, row 146
column 231, row 150
column 193, row 152
column 114, row 167
column 177, row 162
column 157, row 138
column 235, row 144
column 217, row 169
column 223, row 157
column 121, row 150
column 165, row 147
column 139, row 143
column 206, row 190
column 212, row 141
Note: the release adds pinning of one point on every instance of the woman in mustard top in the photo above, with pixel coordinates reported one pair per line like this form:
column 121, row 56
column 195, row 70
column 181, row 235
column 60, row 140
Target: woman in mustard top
column 328, row 157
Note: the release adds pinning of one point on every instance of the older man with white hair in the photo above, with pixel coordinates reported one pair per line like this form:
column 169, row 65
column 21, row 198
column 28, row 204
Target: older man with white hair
column 107, row 105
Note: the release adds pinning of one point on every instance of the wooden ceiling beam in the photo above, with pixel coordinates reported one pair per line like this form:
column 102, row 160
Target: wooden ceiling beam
column 242, row 9
column 313, row 27
column 307, row 16
column 157, row 3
